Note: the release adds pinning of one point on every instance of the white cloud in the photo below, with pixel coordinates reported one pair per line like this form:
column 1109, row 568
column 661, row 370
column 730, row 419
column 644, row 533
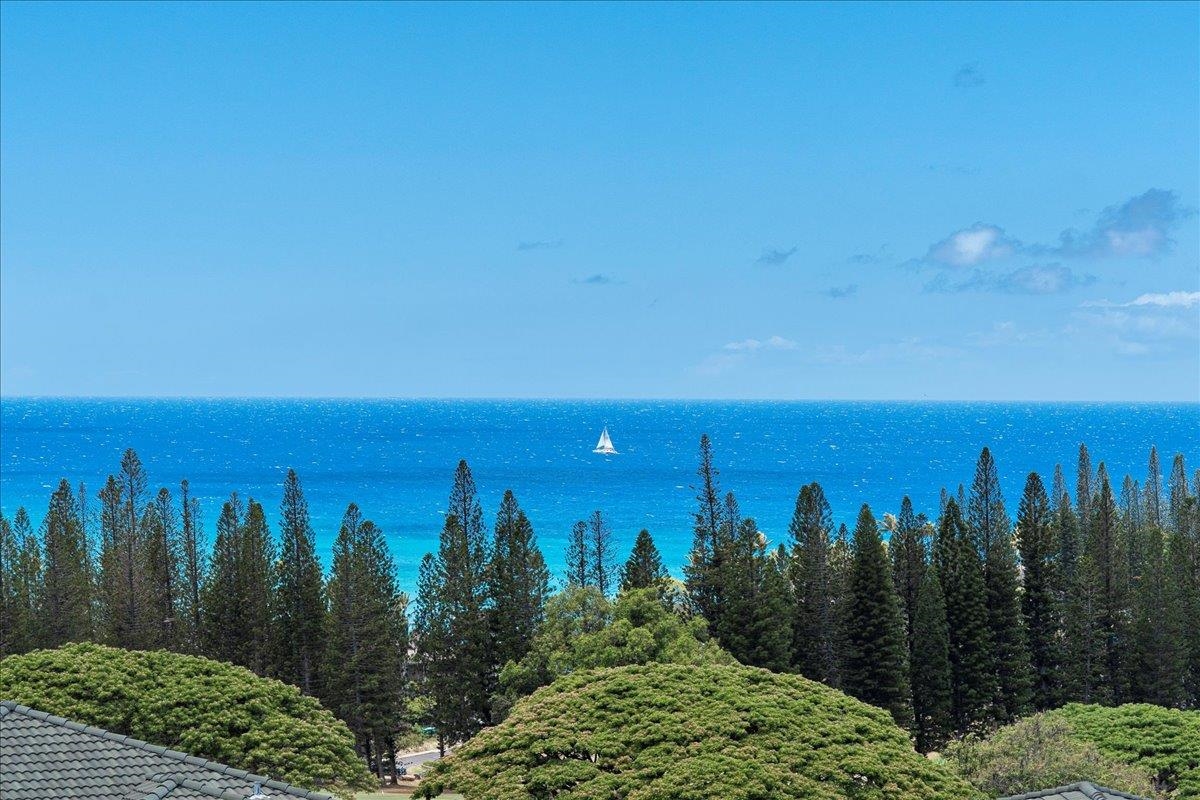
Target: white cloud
column 1152, row 300
column 1009, row 333
column 974, row 245
column 754, row 345
column 908, row 350
column 1167, row 300
column 732, row 354
column 1150, row 323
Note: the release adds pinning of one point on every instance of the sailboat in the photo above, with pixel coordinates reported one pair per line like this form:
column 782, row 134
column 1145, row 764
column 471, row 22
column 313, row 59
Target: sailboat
column 605, row 445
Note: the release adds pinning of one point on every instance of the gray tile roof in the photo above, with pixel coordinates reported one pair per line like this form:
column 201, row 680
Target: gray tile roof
column 43, row 757
column 1076, row 791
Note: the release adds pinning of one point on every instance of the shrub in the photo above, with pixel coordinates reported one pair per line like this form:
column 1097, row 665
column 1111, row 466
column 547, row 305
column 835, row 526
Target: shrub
column 1163, row 741
column 205, row 708
column 1040, row 752
column 688, row 732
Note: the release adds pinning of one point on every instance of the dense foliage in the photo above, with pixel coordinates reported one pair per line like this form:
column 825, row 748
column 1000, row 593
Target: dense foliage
column 1163, row 741
column 687, row 733
column 584, row 631
column 1039, row 752
column 204, row 708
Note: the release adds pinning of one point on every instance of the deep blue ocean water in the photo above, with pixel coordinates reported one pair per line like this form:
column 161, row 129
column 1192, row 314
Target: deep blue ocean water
column 396, row 458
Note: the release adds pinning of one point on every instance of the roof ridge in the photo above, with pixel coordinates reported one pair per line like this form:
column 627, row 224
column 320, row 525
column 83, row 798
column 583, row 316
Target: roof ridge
column 1090, row 790
column 11, row 706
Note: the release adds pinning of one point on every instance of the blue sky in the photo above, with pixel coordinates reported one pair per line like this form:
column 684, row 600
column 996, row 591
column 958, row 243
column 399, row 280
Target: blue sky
column 992, row 201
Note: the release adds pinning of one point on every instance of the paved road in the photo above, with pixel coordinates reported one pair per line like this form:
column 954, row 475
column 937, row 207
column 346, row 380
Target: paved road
column 410, row 759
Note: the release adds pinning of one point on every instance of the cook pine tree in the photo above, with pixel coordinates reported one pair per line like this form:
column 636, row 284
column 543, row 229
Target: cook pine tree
column 519, row 583
column 930, row 671
column 644, row 568
column 367, row 642
column 298, row 603
column 876, row 668
column 815, row 627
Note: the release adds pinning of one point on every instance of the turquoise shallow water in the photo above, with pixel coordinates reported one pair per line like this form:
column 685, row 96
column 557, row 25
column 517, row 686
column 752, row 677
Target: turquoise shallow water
column 396, row 458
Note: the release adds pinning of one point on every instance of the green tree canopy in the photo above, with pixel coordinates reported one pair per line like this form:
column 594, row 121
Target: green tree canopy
column 690, row 733
column 584, row 631
column 205, row 708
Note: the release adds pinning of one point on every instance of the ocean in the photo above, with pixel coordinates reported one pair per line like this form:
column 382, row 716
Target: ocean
column 396, row 458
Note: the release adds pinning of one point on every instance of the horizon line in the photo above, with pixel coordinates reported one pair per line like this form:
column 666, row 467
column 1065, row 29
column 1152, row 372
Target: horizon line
column 587, row 399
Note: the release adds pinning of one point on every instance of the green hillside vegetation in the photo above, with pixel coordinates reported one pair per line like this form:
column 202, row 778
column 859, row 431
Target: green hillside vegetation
column 1137, row 748
column 1165, row 741
column 692, row 732
column 202, row 707
column 1038, row 752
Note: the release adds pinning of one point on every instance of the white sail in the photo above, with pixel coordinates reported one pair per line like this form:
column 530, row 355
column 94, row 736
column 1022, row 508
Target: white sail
column 605, row 444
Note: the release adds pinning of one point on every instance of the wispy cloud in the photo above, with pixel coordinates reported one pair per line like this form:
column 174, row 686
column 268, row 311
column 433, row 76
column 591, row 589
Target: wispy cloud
column 1038, row 279
column 754, row 345
column 968, row 76
column 953, row 169
column 1149, row 324
column 974, row 245
column 596, row 280
column 838, row 292
column 773, row 258
column 1009, row 333
column 1168, row 300
column 912, row 349
column 545, row 244
column 863, row 259
column 1160, row 300
column 733, row 354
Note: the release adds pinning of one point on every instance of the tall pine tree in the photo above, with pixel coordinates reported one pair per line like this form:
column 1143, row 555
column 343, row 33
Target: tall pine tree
column 160, row 560
column 1083, row 487
column 298, row 609
column 1040, row 600
column 972, row 662
column 193, row 560
column 877, row 664
column 220, row 598
column 579, row 556
column 908, row 551
column 21, row 573
column 66, row 601
column 815, row 628
column 704, row 559
column 1111, row 613
column 600, row 545
column 1154, row 491
column 519, row 583
column 363, row 674
column 644, row 568
column 1179, row 494
column 992, row 535
column 930, row 667
column 453, row 635
column 1159, row 637
column 256, row 562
